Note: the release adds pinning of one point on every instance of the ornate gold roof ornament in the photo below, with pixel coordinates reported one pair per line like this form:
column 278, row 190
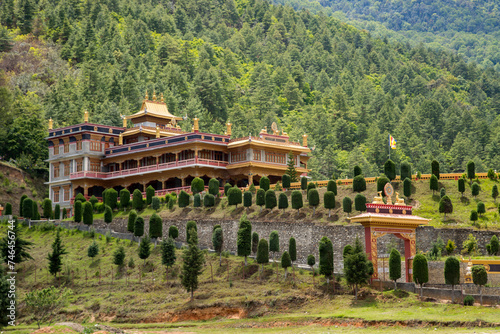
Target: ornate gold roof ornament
column 154, row 95
column 157, row 131
column 161, row 98
column 86, row 116
column 120, row 139
column 304, row 140
column 274, row 127
column 228, row 128
column 146, row 96
column 195, row 124
column 50, row 123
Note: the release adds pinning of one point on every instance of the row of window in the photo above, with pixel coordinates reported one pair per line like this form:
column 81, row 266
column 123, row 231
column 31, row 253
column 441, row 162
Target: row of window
column 95, row 166
column 65, row 194
column 95, row 145
column 278, row 158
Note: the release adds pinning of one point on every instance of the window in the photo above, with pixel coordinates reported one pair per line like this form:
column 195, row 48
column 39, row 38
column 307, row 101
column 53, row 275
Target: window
column 79, row 165
column 79, row 145
column 256, row 155
column 56, row 195
column 56, row 170
column 66, row 147
column 66, row 195
column 95, row 145
column 56, row 149
column 277, row 158
column 239, row 156
column 205, row 154
column 95, row 166
column 66, row 168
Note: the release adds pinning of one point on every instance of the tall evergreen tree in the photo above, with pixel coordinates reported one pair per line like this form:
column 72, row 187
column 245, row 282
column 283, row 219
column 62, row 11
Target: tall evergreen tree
column 13, row 248
column 55, row 258
column 168, row 253
column 218, row 242
column 144, row 250
column 193, row 262
column 394, row 266
column 244, row 240
column 290, row 169
column 326, row 258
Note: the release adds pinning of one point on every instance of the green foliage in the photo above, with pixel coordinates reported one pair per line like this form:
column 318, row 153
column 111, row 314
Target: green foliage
column 329, row 200
column 252, row 189
column 155, row 226
column 168, row 252
column 292, row 249
column 21, row 200
column 255, row 242
column 313, row 198
column 310, row 186
column 451, row 271
column 494, row 192
column 197, row 185
column 80, row 197
column 297, row 202
column 347, row 205
column 394, row 265
column 46, row 207
column 433, row 183
column 450, row 247
column 347, row 251
column 77, row 208
column 93, row 250
column 173, row 232
column 137, row 202
column 247, row 199
column 357, row 268
column 286, row 262
column 260, row 198
column 192, row 267
column 234, row 196
column 119, row 256
column 290, row 169
column 471, row 170
column 270, row 199
column 326, row 257
column 150, row 192
column 286, row 180
column 191, row 228
column 13, row 248
column 445, row 205
column 473, row 215
column 88, row 214
column 491, row 174
column 264, row 183
column 461, row 185
column 420, row 269
column 28, row 208
column 55, row 257
column 390, row 169
column 42, row 304
column 481, row 208
column 435, row 168
column 197, row 200
column 144, row 250
column 64, row 213
column 357, row 171
column 479, row 275
column 405, row 171
column 183, row 199
column 469, row 300
column 332, row 186
column 442, row 192
column 139, row 227
column 360, row 202
column 274, row 242
column 407, row 187
column 155, row 203
column 94, row 201
column 57, row 211
column 263, row 252
column 475, row 189
column 244, row 238
column 111, row 198
column 227, row 186
column 209, row 200
column 36, row 214
column 282, row 201
column 358, row 183
column 108, row 214
column 132, row 217
column 125, row 198
column 381, row 182
column 494, row 245
column 218, row 240
column 311, row 260
column 303, row 183
column 213, row 187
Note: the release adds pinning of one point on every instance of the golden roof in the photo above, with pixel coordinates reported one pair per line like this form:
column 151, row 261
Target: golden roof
column 155, row 109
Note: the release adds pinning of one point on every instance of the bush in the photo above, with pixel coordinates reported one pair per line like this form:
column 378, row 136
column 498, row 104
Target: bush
column 213, row 187
column 8, row 209
column 139, row 227
column 36, row 214
column 310, row 186
column 150, row 192
column 111, row 198
column 209, row 200
column 332, row 186
column 64, row 213
column 329, row 201
column 442, row 192
column 405, row 170
column 155, row 203
column 433, row 183
column 108, row 214
column 28, row 208
column 247, row 199
column 469, row 300
column 475, row 189
column 77, row 210
column 190, row 227
column 445, row 205
column 313, row 199
column 197, row 200
column 252, row 189
column 357, row 171
column 297, row 202
column 88, row 214
column 491, row 174
column 494, row 245
column 360, row 203
column 282, row 201
column 359, row 183
column 407, row 187
column 303, row 183
column 264, row 183
column 481, row 208
column 450, row 247
column 124, row 198
column 23, row 197
column 197, row 185
column 137, row 202
column 260, row 199
column 234, row 196
column 347, row 205
column 471, row 170
column 94, row 201
column 57, row 211
column 155, row 226
column 278, row 187
column 173, row 232
column 183, row 199
column 494, row 192
column 473, row 215
column 286, row 180
column 47, row 208
column 80, row 197
column 461, row 185
column 132, row 217
column 99, row 207
column 390, row 169
column 227, row 186
column 435, row 168
column 270, row 199
column 394, row 265
column 381, row 182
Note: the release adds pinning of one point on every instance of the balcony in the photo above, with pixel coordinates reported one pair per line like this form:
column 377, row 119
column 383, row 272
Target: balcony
column 150, row 169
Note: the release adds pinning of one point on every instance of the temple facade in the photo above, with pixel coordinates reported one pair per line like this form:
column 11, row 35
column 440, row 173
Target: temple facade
column 151, row 149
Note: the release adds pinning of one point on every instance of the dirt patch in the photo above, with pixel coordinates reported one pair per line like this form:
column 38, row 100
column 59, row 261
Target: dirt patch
column 52, row 330
column 197, row 314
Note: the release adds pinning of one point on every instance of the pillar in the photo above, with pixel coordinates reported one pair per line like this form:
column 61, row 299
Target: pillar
column 408, row 255
column 183, row 182
column 195, row 155
column 250, row 179
column 371, row 250
column 85, row 166
column 85, row 190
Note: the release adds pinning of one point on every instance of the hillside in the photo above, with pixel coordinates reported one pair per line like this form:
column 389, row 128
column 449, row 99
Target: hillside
column 468, row 28
column 251, row 63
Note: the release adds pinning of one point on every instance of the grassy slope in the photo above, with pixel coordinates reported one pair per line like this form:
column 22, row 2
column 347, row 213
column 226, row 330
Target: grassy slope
column 158, row 301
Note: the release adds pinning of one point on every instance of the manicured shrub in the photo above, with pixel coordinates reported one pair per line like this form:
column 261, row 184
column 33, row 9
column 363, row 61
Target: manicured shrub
column 137, row 202
column 139, row 227
column 260, row 198
column 244, row 238
column 390, row 169
column 450, row 247
column 381, row 182
column 197, row 185
column 303, row 183
column 23, row 197
column 314, row 199
column 132, row 217
column 155, row 226
column 494, row 245
column 360, row 203
column 264, row 183
column 150, row 192
column 292, row 249
column 28, row 208
column 310, row 186
column 262, row 253
column 274, row 242
column 173, row 232
column 494, row 192
column 108, row 214
column 357, row 171
column 435, row 168
column 405, row 170
column 473, row 215
column 64, row 213
column 326, row 258
column 452, row 273
column 213, row 187
column 88, row 214
column 433, row 183
column 124, row 198
column 270, row 199
column 491, row 174
column 57, row 212
column 445, row 205
column 358, row 183
column 480, row 277
column 155, row 203
column 347, row 205
column 394, row 266
column 234, row 196
column 36, row 214
column 111, row 198
column 475, row 189
column 297, row 202
column 94, row 201
column 471, row 170
column 285, row 181
column 255, row 242
column 218, row 242
column 197, row 200
column 209, row 200
column 329, row 201
column 252, row 189
column 407, row 187
column 47, row 208
column 420, row 271
column 442, row 192
column 461, row 186
column 183, row 199
column 286, row 262
column 332, row 186
column 227, row 186
column 469, row 300
column 80, row 197
column 247, row 199
column 77, row 209
column 191, row 227
column 282, row 201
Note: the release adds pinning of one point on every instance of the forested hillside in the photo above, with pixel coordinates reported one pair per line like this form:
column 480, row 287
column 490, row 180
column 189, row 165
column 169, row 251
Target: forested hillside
column 252, row 63
column 468, row 27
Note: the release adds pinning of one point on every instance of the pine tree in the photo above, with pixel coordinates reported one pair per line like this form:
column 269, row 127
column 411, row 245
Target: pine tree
column 452, row 273
column 433, row 183
column 218, row 242
column 480, row 277
column 329, row 201
column 471, row 170
column 119, row 257
column 286, row 262
column 77, row 208
column 326, row 258
column 290, row 170
column 55, row 260
column 193, row 262
column 394, row 266
column 144, row 248
column 93, row 250
column 132, row 217
column 244, row 239
column 420, row 271
column 357, row 267
column 168, row 253
column 15, row 250
column 262, row 253
column 461, row 186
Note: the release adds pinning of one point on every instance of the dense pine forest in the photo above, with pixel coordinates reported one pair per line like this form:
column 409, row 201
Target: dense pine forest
column 252, row 63
column 467, row 27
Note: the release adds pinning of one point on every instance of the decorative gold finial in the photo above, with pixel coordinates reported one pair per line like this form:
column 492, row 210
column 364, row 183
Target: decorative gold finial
column 161, row 98
column 146, row 97
column 120, row 139
column 86, row 116
column 228, row 126
column 124, row 121
column 304, row 140
column 154, row 95
column 157, row 131
column 50, row 123
column 196, row 128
